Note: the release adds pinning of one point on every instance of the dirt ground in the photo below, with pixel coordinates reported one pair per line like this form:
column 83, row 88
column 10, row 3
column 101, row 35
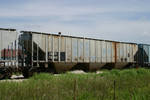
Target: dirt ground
column 15, row 78
column 82, row 72
column 20, row 78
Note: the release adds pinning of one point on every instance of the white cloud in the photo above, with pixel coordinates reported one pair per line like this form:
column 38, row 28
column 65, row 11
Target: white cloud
column 96, row 21
column 50, row 8
column 132, row 31
column 145, row 33
column 143, row 18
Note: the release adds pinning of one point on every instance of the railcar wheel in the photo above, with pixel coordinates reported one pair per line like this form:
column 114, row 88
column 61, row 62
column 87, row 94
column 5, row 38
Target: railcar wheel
column 25, row 73
column 7, row 75
column 1, row 73
column 50, row 71
column 1, row 76
column 32, row 72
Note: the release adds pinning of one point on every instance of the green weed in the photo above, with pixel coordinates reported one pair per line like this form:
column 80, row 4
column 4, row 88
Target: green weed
column 133, row 84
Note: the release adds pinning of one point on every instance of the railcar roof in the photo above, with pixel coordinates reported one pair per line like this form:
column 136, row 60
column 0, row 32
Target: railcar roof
column 33, row 32
column 8, row 29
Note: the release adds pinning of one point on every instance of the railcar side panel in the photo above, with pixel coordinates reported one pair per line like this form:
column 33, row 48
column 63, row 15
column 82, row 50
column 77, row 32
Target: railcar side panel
column 80, row 50
column 50, row 47
column 69, row 49
column 74, row 50
column 86, row 50
column 39, row 39
column 98, row 51
column 113, row 57
column 62, row 49
column 135, row 47
column 104, row 54
column 128, row 53
column 56, row 48
column 109, row 52
column 92, row 51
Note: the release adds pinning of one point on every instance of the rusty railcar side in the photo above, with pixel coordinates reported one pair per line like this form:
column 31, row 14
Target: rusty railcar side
column 63, row 53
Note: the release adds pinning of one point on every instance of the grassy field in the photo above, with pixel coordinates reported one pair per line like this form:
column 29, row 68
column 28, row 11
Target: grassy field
column 129, row 84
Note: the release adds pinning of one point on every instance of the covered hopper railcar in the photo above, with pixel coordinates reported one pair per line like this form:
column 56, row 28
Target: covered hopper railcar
column 59, row 53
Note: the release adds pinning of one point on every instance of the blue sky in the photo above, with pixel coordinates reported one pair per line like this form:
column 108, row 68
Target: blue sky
column 120, row 20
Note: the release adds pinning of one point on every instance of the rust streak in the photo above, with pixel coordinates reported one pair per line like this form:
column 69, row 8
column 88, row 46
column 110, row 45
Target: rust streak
column 115, row 52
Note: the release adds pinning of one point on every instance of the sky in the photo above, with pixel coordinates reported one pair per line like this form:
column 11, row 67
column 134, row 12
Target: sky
column 117, row 20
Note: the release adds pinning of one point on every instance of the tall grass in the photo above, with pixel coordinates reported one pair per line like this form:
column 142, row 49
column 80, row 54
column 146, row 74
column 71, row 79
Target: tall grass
column 131, row 84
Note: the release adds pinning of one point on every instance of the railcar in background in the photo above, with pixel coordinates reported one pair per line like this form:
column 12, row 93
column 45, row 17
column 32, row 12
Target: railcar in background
column 142, row 56
column 8, row 52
